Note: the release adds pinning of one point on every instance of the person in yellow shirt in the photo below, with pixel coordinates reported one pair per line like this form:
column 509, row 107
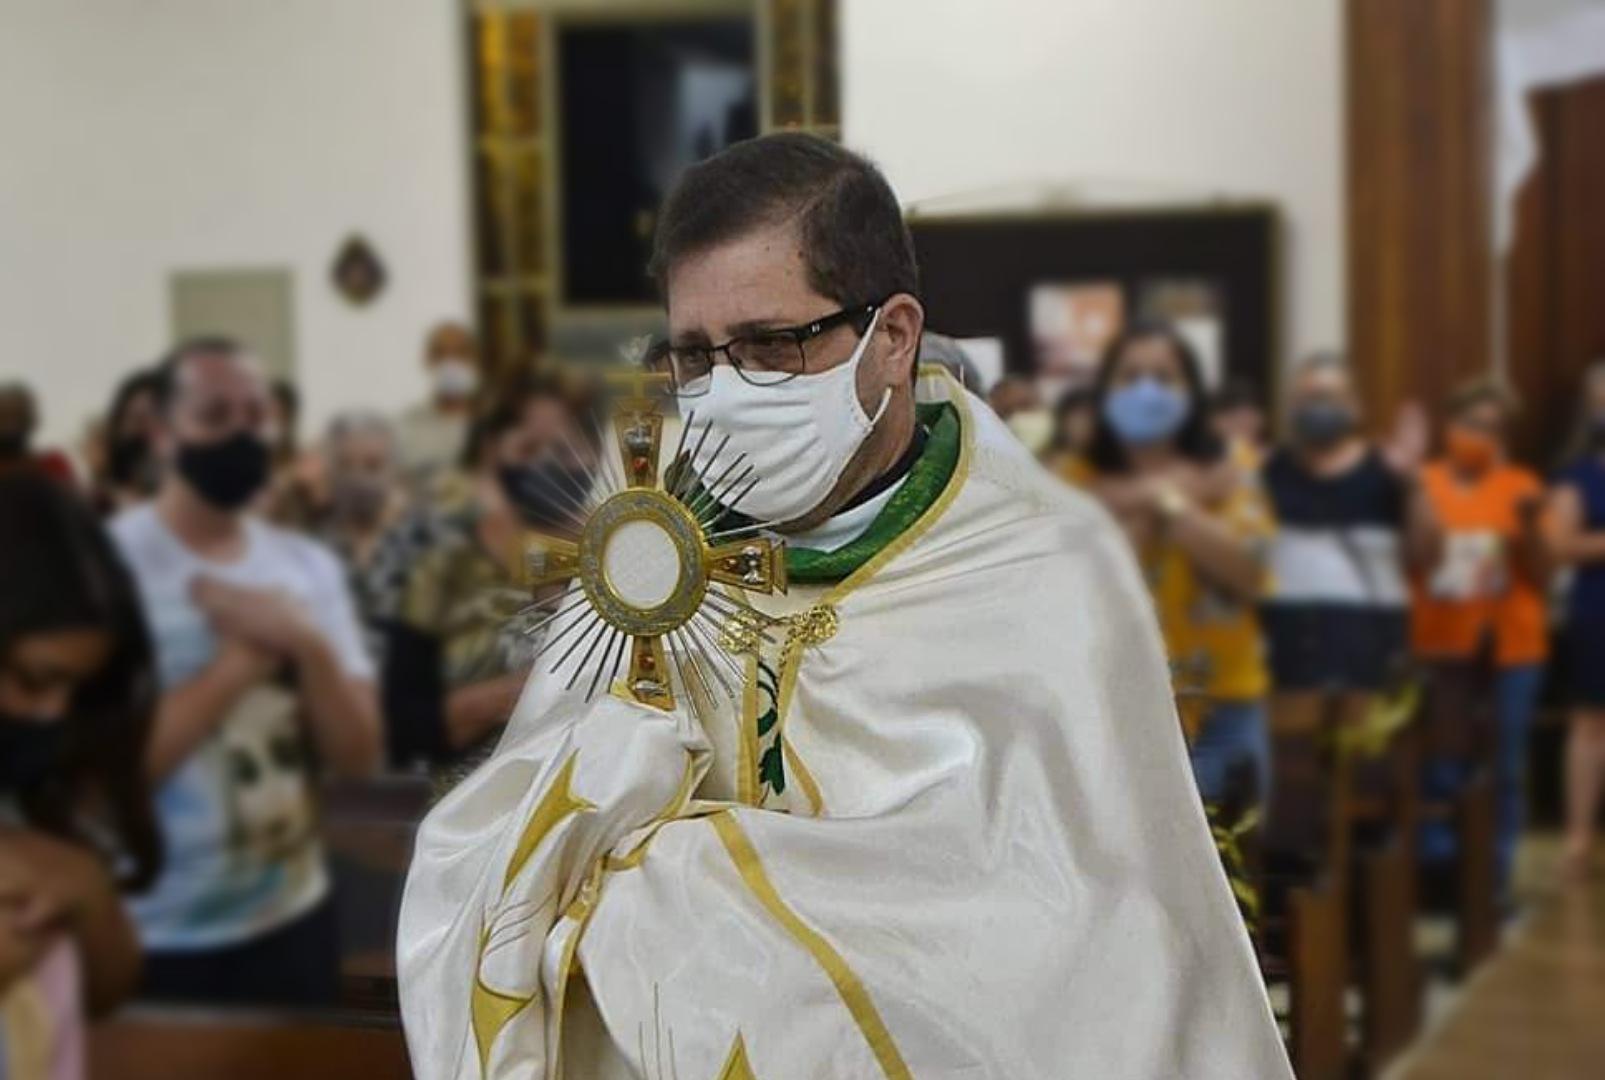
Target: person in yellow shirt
column 1201, row 528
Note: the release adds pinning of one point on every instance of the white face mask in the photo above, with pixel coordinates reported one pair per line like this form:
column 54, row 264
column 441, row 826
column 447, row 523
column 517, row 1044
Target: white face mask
column 455, row 379
column 798, row 435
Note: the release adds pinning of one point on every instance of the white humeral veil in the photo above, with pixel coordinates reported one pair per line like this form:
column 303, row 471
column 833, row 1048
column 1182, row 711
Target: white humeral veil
column 988, row 859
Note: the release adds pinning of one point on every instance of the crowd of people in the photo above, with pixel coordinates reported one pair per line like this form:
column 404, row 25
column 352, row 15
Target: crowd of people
column 1305, row 586
column 204, row 620
column 205, row 614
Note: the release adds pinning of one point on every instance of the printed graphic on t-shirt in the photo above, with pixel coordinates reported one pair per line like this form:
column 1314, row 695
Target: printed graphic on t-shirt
column 1473, row 567
column 268, row 846
column 238, row 815
column 268, row 797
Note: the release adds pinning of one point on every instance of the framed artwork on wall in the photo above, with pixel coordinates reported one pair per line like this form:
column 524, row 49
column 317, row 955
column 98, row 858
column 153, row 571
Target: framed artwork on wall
column 1056, row 288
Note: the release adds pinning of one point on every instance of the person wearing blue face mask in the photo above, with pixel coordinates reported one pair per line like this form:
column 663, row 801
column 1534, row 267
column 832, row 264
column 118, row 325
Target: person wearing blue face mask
column 77, row 826
column 1200, row 528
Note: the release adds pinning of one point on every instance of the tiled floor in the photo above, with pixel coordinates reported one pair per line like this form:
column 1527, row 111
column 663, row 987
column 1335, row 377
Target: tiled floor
column 1536, row 1011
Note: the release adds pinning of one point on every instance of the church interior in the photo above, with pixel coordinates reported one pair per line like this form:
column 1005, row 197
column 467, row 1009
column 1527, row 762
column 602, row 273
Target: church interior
column 1371, row 232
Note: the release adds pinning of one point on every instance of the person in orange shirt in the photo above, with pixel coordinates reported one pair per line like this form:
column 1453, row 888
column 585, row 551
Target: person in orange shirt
column 1478, row 617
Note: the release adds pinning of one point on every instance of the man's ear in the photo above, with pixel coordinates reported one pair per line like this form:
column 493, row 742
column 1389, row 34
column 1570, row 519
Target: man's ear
column 903, row 320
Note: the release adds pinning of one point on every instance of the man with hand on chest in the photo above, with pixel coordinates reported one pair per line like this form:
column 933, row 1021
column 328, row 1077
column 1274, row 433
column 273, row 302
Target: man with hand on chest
column 262, row 668
column 945, row 824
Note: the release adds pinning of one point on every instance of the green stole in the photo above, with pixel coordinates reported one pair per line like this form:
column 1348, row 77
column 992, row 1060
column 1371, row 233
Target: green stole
column 926, row 480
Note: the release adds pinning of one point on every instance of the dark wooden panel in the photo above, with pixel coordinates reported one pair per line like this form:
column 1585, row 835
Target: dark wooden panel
column 977, row 272
column 1557, row 264
column 162, row 1045
column 1418, row 258
column 1530, row 296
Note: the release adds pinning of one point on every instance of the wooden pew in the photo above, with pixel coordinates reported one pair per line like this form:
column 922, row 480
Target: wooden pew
column 1349, row 892
column 169, row 1044
column 1305, row 943
column 1459, row 723
column 1473, row 883
column 1385, row 812
column 368, row 828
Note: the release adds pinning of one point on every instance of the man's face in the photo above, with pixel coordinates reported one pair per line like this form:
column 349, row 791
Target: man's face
column 216, row 397
column 546, row 429
column 450, row 343
column 759, row 282
column 1325, row 386
column 364, row 455
column 139, row 416
column 1484, row 418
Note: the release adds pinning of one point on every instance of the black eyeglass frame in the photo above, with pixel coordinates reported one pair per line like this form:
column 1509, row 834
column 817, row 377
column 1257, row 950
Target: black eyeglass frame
column 661, row 355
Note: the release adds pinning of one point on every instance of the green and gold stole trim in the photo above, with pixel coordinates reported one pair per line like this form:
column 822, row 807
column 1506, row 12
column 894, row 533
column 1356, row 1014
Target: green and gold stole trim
column 926, row 481
column 950, row 439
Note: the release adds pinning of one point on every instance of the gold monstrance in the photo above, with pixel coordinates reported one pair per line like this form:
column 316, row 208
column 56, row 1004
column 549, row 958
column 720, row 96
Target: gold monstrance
column 648, row 560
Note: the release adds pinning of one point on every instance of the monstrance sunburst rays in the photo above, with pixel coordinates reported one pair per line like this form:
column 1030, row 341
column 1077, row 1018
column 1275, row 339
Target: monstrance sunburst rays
column 654, row 575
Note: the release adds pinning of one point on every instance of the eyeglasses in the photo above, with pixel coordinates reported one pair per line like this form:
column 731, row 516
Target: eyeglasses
column 768, row 358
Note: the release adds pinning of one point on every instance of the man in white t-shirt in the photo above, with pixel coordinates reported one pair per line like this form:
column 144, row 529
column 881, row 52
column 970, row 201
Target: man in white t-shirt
column 262, row 669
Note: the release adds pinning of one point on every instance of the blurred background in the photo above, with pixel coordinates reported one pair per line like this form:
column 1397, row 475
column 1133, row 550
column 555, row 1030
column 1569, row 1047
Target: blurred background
column 1374, row 230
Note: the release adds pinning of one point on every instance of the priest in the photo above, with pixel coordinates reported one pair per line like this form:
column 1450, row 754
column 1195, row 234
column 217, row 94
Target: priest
column 944, row 825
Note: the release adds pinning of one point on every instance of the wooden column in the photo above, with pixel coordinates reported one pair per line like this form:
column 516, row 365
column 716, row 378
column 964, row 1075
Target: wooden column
column 1553, row 274
column 1419, row 261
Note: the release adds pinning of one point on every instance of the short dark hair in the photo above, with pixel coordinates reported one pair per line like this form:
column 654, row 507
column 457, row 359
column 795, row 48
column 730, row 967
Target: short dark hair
column 504, row 410
column 1237, row 393
column 856, row 245
column 1194, row 439
column 165, row 382
column 135, row 383
column 1482, row 390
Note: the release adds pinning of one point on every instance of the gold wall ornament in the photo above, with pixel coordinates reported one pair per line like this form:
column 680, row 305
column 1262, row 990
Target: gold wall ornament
column 654, row 575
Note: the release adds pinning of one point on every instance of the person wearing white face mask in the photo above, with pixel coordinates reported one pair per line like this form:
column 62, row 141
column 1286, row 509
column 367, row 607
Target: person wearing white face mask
column 430, row 435
column 946, row 814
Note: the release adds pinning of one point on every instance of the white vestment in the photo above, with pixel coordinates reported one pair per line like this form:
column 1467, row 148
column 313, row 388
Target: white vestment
column 988, row 860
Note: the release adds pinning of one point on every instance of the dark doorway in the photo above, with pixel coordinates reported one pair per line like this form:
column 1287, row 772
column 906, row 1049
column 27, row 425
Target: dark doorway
column 640, row 102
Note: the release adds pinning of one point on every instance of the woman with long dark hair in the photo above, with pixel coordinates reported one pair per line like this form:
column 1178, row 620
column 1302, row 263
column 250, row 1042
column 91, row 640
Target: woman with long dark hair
column 77, row 694
column 1200, row 528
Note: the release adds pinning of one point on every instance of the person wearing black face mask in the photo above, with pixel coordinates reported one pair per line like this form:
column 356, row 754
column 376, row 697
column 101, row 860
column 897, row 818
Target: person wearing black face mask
column 260, row 652
column 1336, row 617
column 76, row 702
column 457, row 651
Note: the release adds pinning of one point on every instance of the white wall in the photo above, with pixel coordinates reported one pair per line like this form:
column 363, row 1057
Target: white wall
column 144, row 136
column 1165, row 97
